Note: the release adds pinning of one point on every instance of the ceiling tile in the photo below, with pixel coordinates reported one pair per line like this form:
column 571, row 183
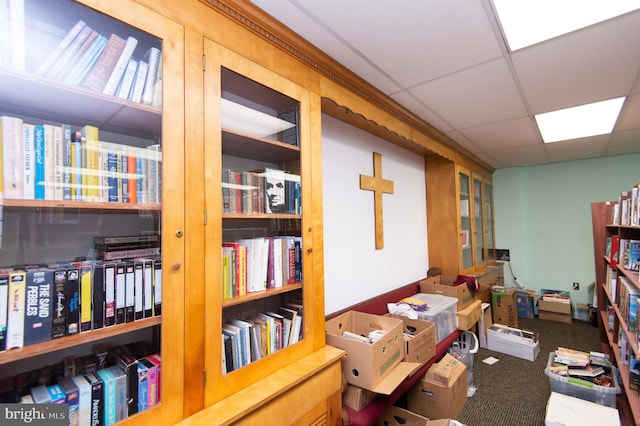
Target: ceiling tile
column 585, row 66
column 623, row 142
column 505, row 134
column 477, row 96
column 521, row 156
column 577, row 148
column 630, row 115
column 412, row 104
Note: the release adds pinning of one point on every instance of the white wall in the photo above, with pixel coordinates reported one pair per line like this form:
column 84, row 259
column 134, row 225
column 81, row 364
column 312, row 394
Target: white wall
column 354, row 269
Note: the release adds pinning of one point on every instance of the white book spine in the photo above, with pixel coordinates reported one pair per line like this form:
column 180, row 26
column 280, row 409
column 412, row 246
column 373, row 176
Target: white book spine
column 127, row 79
column 152, row 75
column 138, row 86
column 12, row 154
column 15, row 318
column 49, row 162
column 58, row 162
column 118, row 70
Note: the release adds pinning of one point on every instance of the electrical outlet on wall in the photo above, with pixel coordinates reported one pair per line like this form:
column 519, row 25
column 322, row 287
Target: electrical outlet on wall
column 576, row 285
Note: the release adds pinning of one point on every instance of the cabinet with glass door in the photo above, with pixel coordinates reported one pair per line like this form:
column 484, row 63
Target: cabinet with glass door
column 88, row 158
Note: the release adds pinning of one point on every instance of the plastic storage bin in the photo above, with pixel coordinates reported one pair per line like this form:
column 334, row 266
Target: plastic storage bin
column 464, row 349
column 583, row 389
column 441, row 312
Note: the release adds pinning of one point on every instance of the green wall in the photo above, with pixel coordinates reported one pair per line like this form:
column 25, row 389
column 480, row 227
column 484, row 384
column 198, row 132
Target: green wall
column 543, row 216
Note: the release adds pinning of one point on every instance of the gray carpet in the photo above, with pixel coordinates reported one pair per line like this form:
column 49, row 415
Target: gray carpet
column 515, row 391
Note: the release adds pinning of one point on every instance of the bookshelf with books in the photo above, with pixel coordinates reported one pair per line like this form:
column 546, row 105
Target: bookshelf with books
column 265, row 315
column 82, row 164
column 618, row 294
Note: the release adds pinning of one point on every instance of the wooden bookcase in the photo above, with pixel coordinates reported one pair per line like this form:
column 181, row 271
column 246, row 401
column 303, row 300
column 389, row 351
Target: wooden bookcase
column 460, row 212
column 198, row 41
column 612, row 322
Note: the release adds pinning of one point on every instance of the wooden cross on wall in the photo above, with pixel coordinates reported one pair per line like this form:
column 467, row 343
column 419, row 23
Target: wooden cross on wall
column 378, row 185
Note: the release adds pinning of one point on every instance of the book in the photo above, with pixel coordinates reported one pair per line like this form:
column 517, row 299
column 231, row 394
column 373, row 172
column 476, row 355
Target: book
column 91, row 163
column 97, row 398
column 634, row 255
column 85, row 283
column 128, row 78
column 121, row 392
column 120, row 295
column 98, row 297
column 28, row 152
column 290, row 136
column 11, row 133
column 65, row 58
column 152, row 391
column 66, row 162
column 139, row 82
column 245, row 340
column 138, row 291
column 59, row 304
column 143, row 386
column 148, row 288
column 72, row 311
column 4, row 307
column 157, row 287
column 85, row 63
column 106, row 62
column 58, row 163
column 72, row 398
column 60, row 48
column 109, row 388
column 16, row 309
column 110, row 294
column 236, row 354
column 119, row 68
column 129, row 301
column 76, row 166
column 74, row 53
column 152, row 58
column 84, row 400
column 58, row 396
column 128, row 364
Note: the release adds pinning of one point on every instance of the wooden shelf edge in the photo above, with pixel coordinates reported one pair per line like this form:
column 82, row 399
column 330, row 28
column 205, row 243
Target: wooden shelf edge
column 268, row 389
column 93, row 205
column 634, row 403
column 76, row 339
column 249, row 297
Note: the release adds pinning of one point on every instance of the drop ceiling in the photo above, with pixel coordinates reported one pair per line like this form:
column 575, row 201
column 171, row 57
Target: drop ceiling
column 447, row 62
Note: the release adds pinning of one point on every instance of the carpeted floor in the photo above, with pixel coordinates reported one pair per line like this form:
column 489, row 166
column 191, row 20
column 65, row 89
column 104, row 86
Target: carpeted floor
column 515, row 391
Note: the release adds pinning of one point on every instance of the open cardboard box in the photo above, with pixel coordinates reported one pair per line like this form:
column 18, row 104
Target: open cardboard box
column 422, row 347
column 443, row 285
column 377, row 366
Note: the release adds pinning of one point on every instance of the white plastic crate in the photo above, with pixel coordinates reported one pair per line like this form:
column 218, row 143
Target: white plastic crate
column 583, row 389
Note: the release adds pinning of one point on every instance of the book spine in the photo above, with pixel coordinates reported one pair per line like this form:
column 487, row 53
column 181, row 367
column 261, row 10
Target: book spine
column 118, row 70
column 97, row 78
column 4, row 309
column 153, row 59
column 15, row 320
column 112, row 173
column 157, row 287
column 132, row 190
column 72, row 312
column 125, row 172
column 84, row 400
column 85, row 62
column 97, row 399
column 127, row 79
column 12, row 154
column 85, row 297
column 110, row 403
column 77, row 56
column 76, row 166
column 59, row 320
column 98, row 297
column 29, row 161
column 68, row 53
column 138, row 290
column 143, row 388
column 60, row 48
column 66, row 162
column 49, row 158
column 138, row 85
column 120, row 295
column 128, row 254
column 58, row 162
column 37, row 326
column 109, row 294
column 129, row 310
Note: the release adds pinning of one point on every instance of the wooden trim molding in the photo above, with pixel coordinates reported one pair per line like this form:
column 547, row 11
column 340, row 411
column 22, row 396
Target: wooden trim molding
column 263, row 25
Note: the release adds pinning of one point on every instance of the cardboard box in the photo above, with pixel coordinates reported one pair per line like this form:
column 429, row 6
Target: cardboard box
column 396, row 416
column 491, row 277
column 484, row 323
column 564, row 410
column 513, row 341
column 469, row 315
column 357, row 398
column 503, row 306
column 442, row 392
column 422, row 346
column 443, row 285
column 524, row 302
column 377, row 366
column 554, row 311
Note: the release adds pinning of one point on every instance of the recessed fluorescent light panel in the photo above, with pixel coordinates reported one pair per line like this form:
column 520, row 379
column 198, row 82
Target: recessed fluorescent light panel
column 579, row 122
column 526, row 22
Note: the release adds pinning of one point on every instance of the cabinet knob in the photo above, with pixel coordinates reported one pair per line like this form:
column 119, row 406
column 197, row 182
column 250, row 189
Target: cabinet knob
column 179, row 233
column 309, row 250
column 176, row 266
